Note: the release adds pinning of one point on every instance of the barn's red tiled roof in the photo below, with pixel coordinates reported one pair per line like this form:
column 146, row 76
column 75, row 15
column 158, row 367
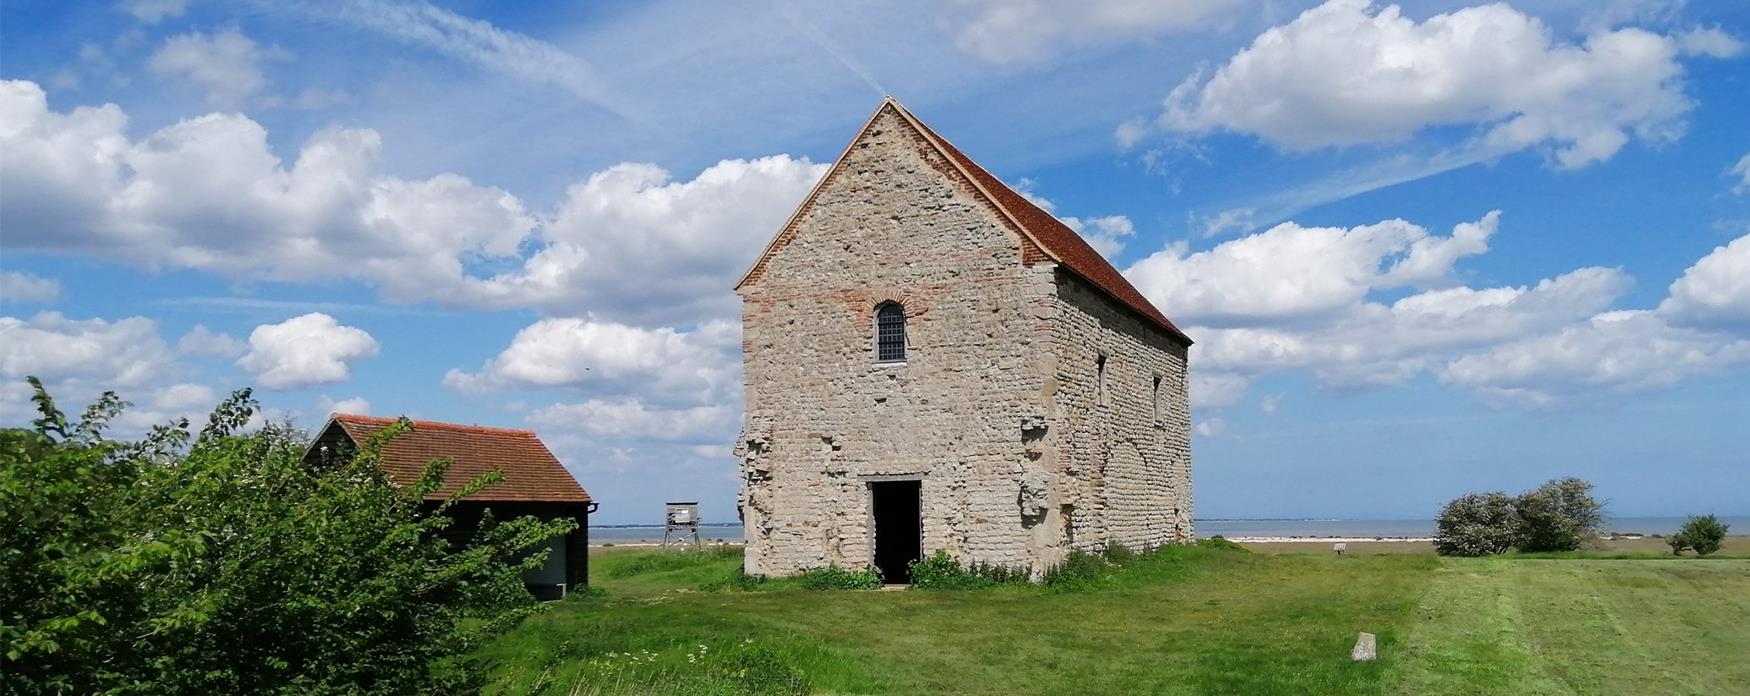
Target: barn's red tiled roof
column 1058, row 240
column 531, row 473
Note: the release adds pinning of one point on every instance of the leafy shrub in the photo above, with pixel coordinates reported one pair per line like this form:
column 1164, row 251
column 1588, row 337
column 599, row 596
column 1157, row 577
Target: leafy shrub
column 1560, row 515
column 222, row 564
column 943, row 572
column 1221, row 543
column 998, row 574
column 836, row 578
column 1477, row 524
column 759, row 671
column 1079, row 569
column 1117, row 554
column 1703, row 535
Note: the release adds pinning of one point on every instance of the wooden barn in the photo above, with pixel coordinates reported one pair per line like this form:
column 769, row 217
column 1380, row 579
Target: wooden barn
column 535, row 483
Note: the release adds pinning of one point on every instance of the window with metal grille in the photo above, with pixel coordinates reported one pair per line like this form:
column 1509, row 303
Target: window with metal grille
column 890, row 332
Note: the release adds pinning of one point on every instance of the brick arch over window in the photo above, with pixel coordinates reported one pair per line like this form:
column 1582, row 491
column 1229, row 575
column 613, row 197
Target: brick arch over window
column 889, row 332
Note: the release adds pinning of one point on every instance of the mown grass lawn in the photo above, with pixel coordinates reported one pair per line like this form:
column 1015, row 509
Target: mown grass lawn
column 1179, row 621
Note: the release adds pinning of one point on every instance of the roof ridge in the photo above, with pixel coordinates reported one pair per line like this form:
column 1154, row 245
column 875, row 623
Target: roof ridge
column 948, row 151
column 1072, row 261
column 439, row 425
column 1054, row 239
column 530, row 469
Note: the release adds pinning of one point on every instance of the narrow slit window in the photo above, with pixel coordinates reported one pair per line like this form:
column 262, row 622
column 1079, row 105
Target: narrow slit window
column 890, row 332
column 1157, row 399
column 1100, row 380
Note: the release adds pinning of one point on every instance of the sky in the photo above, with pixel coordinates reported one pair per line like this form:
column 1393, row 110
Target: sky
column 1424, row 248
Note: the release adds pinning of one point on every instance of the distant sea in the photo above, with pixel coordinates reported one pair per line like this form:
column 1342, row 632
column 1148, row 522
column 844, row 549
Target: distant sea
column 1228, row 528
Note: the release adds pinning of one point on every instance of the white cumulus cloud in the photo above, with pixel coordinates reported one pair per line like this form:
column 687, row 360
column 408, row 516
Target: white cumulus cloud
column 1715, row 291
column 27, row 288
column 358, row 406
column 1625, row 351
column 1291, row 272
column 1291, row 299
column 1373, row 344
column 208, row 193
column 111, row 354
column 201, row 340
column 305, row 350
column 1710, row 41
column 78, row 359
column 630, row 242
column 1348, row 73
column 698, row 366
column 225, row 65
column 631, row 418
column 1105, row 234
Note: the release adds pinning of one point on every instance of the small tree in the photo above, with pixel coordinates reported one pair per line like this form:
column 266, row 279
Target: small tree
column 222, row 564
column 1477, row 524
column 1560, row 515
column 1678, row 543
column 1704, row 535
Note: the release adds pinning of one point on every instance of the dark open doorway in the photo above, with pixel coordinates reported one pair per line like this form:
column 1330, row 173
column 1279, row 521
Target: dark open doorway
column 899, row 533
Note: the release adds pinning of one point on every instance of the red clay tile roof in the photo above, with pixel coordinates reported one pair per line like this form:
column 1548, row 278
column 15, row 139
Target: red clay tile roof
column 531, row 473
column 1058, row 240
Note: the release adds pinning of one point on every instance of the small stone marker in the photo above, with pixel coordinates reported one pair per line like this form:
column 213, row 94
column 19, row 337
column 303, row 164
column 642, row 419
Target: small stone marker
column 1339, row 547
column 1364, row 649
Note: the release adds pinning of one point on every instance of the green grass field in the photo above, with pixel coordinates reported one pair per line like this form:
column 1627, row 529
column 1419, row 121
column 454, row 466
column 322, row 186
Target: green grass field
column 1178, row 621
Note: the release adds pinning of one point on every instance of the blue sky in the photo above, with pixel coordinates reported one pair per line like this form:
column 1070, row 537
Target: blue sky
column 531, row 216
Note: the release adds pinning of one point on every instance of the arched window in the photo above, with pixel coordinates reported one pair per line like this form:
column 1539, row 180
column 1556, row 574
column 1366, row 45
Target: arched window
column 889, row 332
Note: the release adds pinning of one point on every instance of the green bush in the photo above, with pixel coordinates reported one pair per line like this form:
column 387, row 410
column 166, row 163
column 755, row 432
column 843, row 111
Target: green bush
column 222, row 564
column 1477, row 524
column 1080, row 569
column 1117, row 554
column 943, row 572
column 1678, row 544
column 1221, row 543
column 836, row 578
column 1703, row 535
column 759, row 671
column 1560, row 515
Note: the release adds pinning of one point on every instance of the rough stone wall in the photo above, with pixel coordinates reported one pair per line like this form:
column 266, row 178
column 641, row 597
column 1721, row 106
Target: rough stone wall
column 1126, row 455
column 994, row 409
column 823, row 418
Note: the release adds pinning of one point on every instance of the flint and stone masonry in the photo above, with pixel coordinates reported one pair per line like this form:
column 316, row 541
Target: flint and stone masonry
column 1037, row 409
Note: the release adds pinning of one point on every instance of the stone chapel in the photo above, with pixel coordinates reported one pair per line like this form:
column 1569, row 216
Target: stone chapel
column 932, row 362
